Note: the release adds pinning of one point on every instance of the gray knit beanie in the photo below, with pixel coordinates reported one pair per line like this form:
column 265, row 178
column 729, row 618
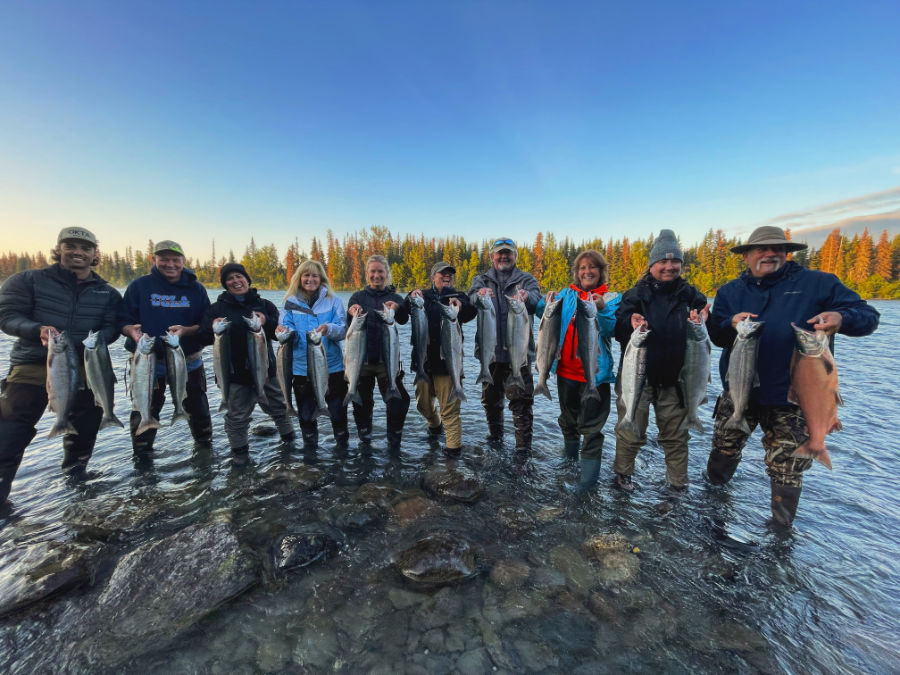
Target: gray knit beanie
column 665, row 248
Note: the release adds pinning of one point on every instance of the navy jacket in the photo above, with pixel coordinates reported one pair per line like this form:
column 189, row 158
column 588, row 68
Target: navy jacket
column 434, row 362
column 792, row 294
column 370, row 299
column 156, row 304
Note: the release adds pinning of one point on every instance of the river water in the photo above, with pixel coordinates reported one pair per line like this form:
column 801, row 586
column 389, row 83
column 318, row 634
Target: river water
column 704, row 585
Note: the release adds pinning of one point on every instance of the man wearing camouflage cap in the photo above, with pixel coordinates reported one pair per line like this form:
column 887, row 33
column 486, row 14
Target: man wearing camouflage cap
column 68, row 296
column 778, row 292
column 169, row 299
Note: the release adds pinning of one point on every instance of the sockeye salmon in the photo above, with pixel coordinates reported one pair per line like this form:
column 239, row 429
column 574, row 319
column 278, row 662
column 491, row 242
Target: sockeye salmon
column 452, row 349
column 485, row 337
column 222, row 359
column 695, row 373
column 143, row 382
column 62, row 381
column 814, row 387
column 176, row 374
column 101, row 379
column 258, row 355
column 633, row 376
column 317, row 369
column 354, row 356
column 547, row 349
column 741, row 375
column 284, row 366
column 390, row 350
column 518, row 337
column 419, row 334
column 588, row 333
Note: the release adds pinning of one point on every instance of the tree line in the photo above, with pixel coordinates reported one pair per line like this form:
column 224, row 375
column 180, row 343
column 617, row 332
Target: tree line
column 869, row 267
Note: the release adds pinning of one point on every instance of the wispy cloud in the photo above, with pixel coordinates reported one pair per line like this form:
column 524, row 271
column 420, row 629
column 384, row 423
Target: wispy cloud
column 826, row 214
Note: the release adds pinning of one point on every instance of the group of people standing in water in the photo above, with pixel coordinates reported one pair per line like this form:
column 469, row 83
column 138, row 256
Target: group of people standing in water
column 69, row 297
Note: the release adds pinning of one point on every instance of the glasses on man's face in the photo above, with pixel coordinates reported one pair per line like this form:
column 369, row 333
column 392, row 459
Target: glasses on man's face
column 778, row 248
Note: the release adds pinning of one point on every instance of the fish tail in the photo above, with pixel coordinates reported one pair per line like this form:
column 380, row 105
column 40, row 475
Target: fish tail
column 152, row 423
column 223, row 405
column 420, row 377
column 111, row 420
column 515, row 380
column 393, row 392
column 177, row 415
column 62, row 427
column 738, row 423
column 589, row 393
column 484, row 376
column 819, row 454
column 542, row 388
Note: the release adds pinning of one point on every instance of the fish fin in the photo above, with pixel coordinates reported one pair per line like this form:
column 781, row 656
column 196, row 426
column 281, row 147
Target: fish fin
column 542, row 388
column 111, row 421
column 515, row 380
column 837, row 426
column 792, row 397
column 153, row 423
column 589, row 393
column 420, row 377
column 839, row 398
column 484, row 377
column 740, row 424
column 223, row 405
column 820, row 455
column 355, row 397
column 62, row 428
column 322, row 411
column 691, row 422
column 177, row 416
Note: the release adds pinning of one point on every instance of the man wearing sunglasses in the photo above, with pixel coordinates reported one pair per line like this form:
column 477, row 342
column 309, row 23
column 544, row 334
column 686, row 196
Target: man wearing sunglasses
column 778, row 292
column 498, row 283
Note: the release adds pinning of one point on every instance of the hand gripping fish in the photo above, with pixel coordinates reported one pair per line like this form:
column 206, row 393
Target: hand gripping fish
column 814, row 387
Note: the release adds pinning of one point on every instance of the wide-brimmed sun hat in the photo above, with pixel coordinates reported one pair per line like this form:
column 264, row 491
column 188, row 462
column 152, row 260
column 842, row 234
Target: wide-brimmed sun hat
column 769, row 235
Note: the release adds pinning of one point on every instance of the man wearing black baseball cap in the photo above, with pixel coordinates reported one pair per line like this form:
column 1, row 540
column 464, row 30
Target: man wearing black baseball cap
column 778, row 292
column 68, row 296
column 169, row 299
column 501, row 281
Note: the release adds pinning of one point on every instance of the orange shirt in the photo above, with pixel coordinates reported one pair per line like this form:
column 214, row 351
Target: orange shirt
column 569, row 365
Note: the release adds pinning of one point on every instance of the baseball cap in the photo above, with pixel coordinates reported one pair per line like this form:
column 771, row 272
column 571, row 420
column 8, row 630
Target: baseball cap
column 168, row 245
column 503, row 244
column 78, row 233
column 442, row 266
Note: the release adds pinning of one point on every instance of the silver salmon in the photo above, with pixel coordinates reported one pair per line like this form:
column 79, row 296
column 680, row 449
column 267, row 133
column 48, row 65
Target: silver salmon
column 317, row 369
column 814, row 387
column 742, row 375
column 633, row 376
column 390, row 350
column 62, row 381
column 588, row 333
column 518, row 336
column 354, row 356
column 176, row 374
column 547, row 348
column 258, row 354
column 485, row 337
column 284, row 366
column 143, row 381
column 695, row 373
column 452, row 349
column 419, row 334
column 222, row 359
column 101, row 379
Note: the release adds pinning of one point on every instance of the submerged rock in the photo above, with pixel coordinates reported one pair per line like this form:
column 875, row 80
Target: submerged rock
column 375, row 493
column 264, row 430
column 301, row 548
column 600, row 544
column 357, row 517
column 515, row 518
column 617, row 569
column 442, row 557
column 411, row 509
column 510, row 573
column 547, row 514
column 290, row 477
column 162, row 588
column 108, row 516
column 32, row 573
column 456, row 483
column 578, row 571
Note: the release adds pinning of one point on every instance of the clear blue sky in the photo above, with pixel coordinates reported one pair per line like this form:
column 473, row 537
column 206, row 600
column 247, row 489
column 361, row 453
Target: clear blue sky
column 202, row 120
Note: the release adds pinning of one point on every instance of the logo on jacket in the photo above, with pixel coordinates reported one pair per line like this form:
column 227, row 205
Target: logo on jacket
column 159, row 300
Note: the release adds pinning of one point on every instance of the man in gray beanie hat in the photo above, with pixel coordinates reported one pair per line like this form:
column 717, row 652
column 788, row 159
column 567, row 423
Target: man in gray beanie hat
column 661, row 302
column 665, row 248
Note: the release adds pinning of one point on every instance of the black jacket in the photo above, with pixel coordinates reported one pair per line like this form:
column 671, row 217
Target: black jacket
column 228, row 307
column 434, row 364
column 370, row 299
column 53, row 297
column 665, row 305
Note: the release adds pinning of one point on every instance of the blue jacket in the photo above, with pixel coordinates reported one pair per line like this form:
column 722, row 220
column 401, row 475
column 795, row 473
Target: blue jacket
column 793, row 293
column 297, row 314
column 156, row 304
column 606, row 322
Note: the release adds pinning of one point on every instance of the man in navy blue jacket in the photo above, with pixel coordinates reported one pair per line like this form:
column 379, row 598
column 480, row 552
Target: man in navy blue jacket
column 778, row 292
column 169, row 299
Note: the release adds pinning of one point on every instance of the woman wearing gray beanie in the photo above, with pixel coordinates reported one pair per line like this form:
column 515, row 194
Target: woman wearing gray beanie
column 661, row 302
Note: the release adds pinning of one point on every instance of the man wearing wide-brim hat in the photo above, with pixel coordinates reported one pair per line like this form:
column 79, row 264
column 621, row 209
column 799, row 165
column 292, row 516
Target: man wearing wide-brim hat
column 169, row 300
column 36, row 306
column 777, row 292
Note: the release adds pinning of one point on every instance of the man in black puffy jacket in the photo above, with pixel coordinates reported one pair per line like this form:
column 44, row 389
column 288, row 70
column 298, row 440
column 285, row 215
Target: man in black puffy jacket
column 64, row 297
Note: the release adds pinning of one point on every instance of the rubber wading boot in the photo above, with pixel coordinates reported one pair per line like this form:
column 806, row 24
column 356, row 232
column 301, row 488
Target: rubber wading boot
column 572, row 446
column 785, row 499
column 721, row 467
column 14, row 438
column 624, row 482
column 341, row 435
column 288, row 438
column 365, row 435
column 240, row 456
column 310, row 434
column 393, row 439
column 590, row 475
column 201, row 429
column 435, row 432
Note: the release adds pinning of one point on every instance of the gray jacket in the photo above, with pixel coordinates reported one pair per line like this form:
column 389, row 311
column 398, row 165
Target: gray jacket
column 516, row 278
column 53, row 297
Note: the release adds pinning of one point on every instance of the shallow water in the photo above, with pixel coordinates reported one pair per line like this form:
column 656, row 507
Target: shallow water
column 713, row 587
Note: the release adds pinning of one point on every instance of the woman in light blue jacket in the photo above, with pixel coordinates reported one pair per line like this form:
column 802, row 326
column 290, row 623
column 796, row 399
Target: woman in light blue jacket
column 582, row 416
column 309, row 305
